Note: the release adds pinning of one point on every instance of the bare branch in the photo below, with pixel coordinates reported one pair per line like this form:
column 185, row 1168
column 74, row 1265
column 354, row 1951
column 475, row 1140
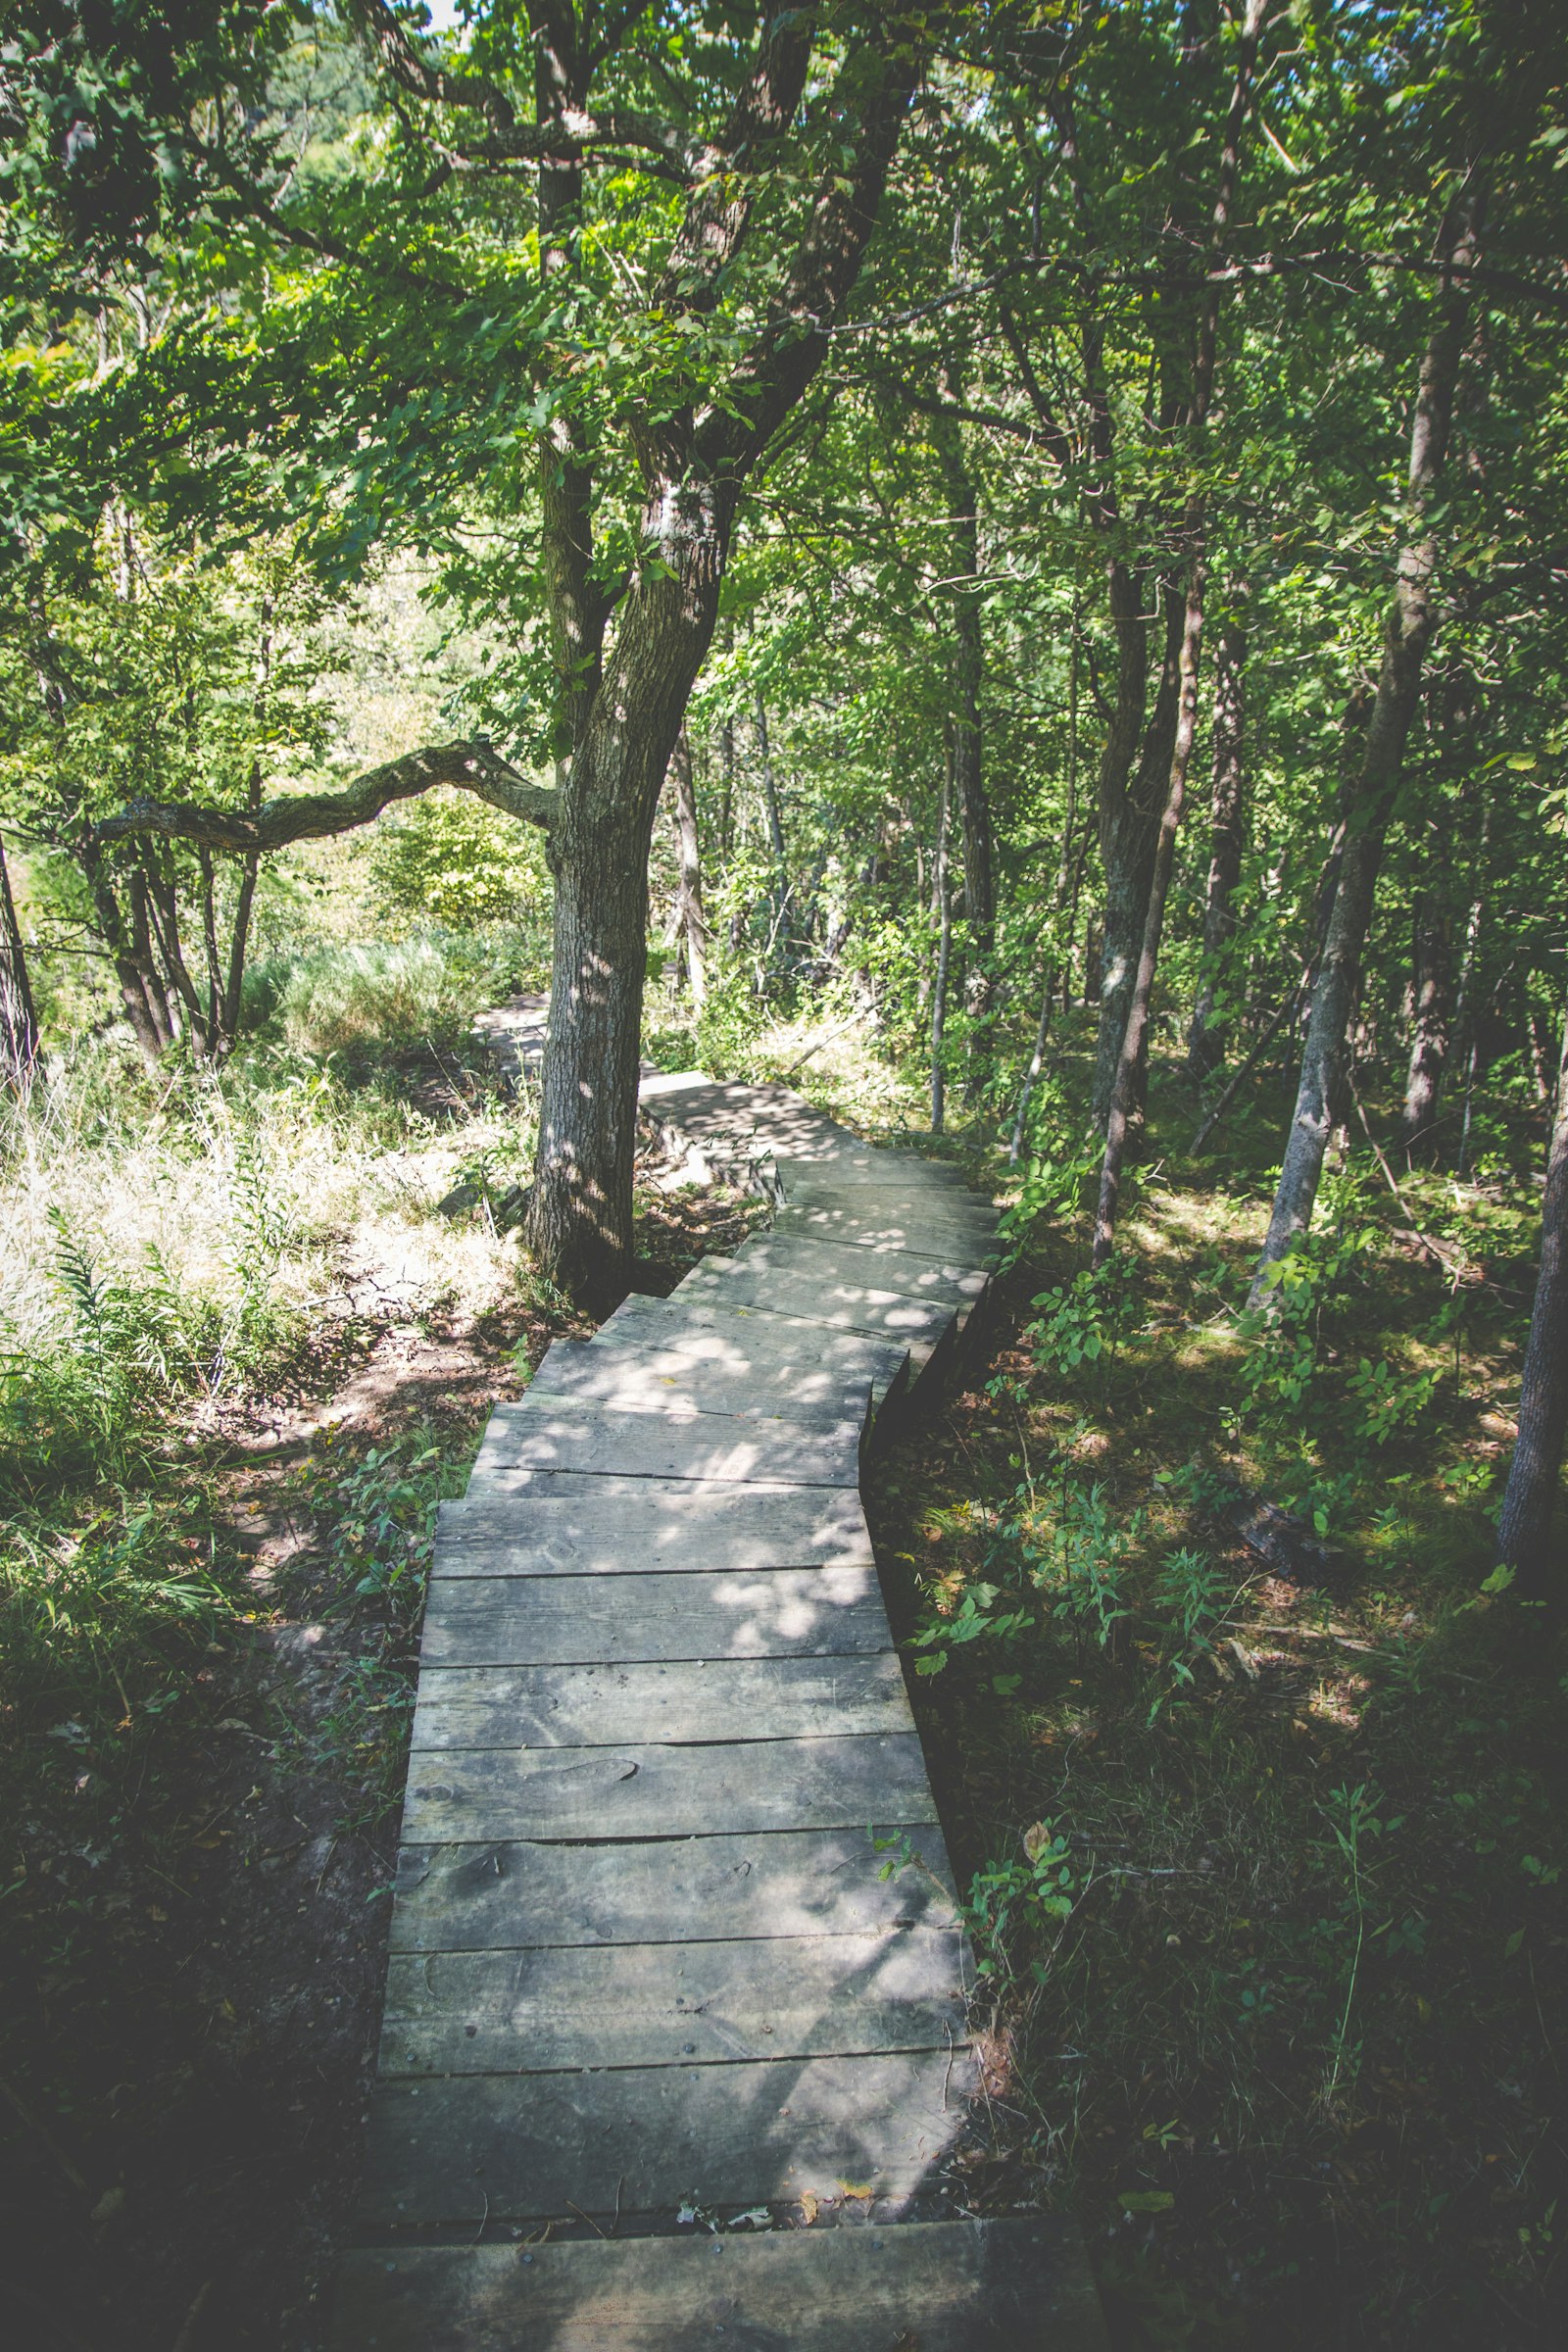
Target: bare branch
column 472, row 767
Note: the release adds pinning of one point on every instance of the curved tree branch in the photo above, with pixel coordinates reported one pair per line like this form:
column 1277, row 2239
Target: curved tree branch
column 473, row 766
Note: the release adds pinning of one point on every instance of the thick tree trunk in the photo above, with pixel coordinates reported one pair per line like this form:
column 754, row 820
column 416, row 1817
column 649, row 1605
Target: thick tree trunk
column 625, row 704
column 686, row 921
column 1524, row 1530
column 1411, row 621
column 19, row 1018
column 1429, row 1019
column 579, row 1219
column 1208, row 1038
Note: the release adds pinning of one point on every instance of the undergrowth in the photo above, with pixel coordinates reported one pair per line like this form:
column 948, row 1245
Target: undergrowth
column 1260, row 1851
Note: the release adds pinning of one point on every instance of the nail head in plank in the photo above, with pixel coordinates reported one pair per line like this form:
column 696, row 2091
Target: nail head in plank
column 704, row 1447
column 601, row 1620
column 681, row 1702
column 644, row 2138
column 594, row 1528
column 638, row 1790
column 688, row 1380
column 664, row 2004
column 520, row 1895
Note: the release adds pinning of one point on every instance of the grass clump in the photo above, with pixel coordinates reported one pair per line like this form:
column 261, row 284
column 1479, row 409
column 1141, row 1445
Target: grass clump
column 366, row 1000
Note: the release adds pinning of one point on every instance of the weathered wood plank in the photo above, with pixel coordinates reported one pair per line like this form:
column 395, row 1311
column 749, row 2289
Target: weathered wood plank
column 705, row 1376
column 845, row 1305
column 581, row 1526
column 759, row 1338
column 884, row 1189
column 514, row 1895
column 602, row 1620
column 637, row 1791
column 865, row 1164
column 790, row 1256
column 645, row 2138
column 718, row 1698
column 1015, row 2284
column 663, row 2004
column 704, row 1447
column 967, row 1241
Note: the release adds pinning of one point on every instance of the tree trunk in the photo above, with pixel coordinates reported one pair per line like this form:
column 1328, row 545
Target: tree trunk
column 1433, row 991
column 1122, row 1110
column 967, row 743
column 1408, row 632
column 1208, row 1038
column 687, row 922
column 18, row 1019
column 1126, row 1103
column 580, row 1211
column 625, row 704
column 1524, row 1530
column 726, row 789
column 770, row 807
column 939, row 987
column 1037, row 1063
column 1129, row 808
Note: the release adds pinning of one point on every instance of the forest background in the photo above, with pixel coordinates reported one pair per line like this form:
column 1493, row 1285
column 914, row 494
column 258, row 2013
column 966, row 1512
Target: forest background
column 1003, row 565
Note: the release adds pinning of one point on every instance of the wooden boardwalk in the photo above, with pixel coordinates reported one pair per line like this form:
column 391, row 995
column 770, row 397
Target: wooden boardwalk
column 666, row 2060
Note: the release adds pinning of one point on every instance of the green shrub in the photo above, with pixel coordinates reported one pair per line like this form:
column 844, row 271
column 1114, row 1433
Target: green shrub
column 450, row 857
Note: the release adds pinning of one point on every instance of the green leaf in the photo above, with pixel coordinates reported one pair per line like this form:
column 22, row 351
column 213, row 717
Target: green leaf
column 1147, row 2200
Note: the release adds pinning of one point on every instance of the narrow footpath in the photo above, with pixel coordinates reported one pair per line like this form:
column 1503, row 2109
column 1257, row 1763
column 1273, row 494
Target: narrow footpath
column 676, row 2047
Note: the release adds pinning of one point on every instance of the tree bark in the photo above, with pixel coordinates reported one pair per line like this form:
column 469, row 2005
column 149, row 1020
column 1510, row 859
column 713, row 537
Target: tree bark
column 1208, row 1037
column 1127, row 1093
column 19, row 1018
column 1411, row 621
column 1524, row 1530
column 1429, row 1019
column 686, row 921
column 967, row 747
column 939, row 986
column 1124, row 1105
column 581, row 1206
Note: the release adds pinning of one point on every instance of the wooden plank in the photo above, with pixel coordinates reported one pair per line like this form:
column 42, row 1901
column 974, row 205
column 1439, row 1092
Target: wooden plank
column 767, row 1883
column 684, row 1699
column 864, row 1306
column 865, row 1164
column 755, row 1340
column 1019, row 2283
column 638, row 1790
column 963, row 1240
column 601, row 1620
column 577, row 1526
column 946, row 1282
column 707, row 1375
column 643, row 2140
column 705, row 1446
column 767, row 1117
column 884, row 1190
column 663, row 2004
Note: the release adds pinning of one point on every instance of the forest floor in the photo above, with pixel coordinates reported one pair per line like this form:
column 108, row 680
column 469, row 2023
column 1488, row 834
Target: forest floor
column 1265, row 1854
column 194, row 1931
